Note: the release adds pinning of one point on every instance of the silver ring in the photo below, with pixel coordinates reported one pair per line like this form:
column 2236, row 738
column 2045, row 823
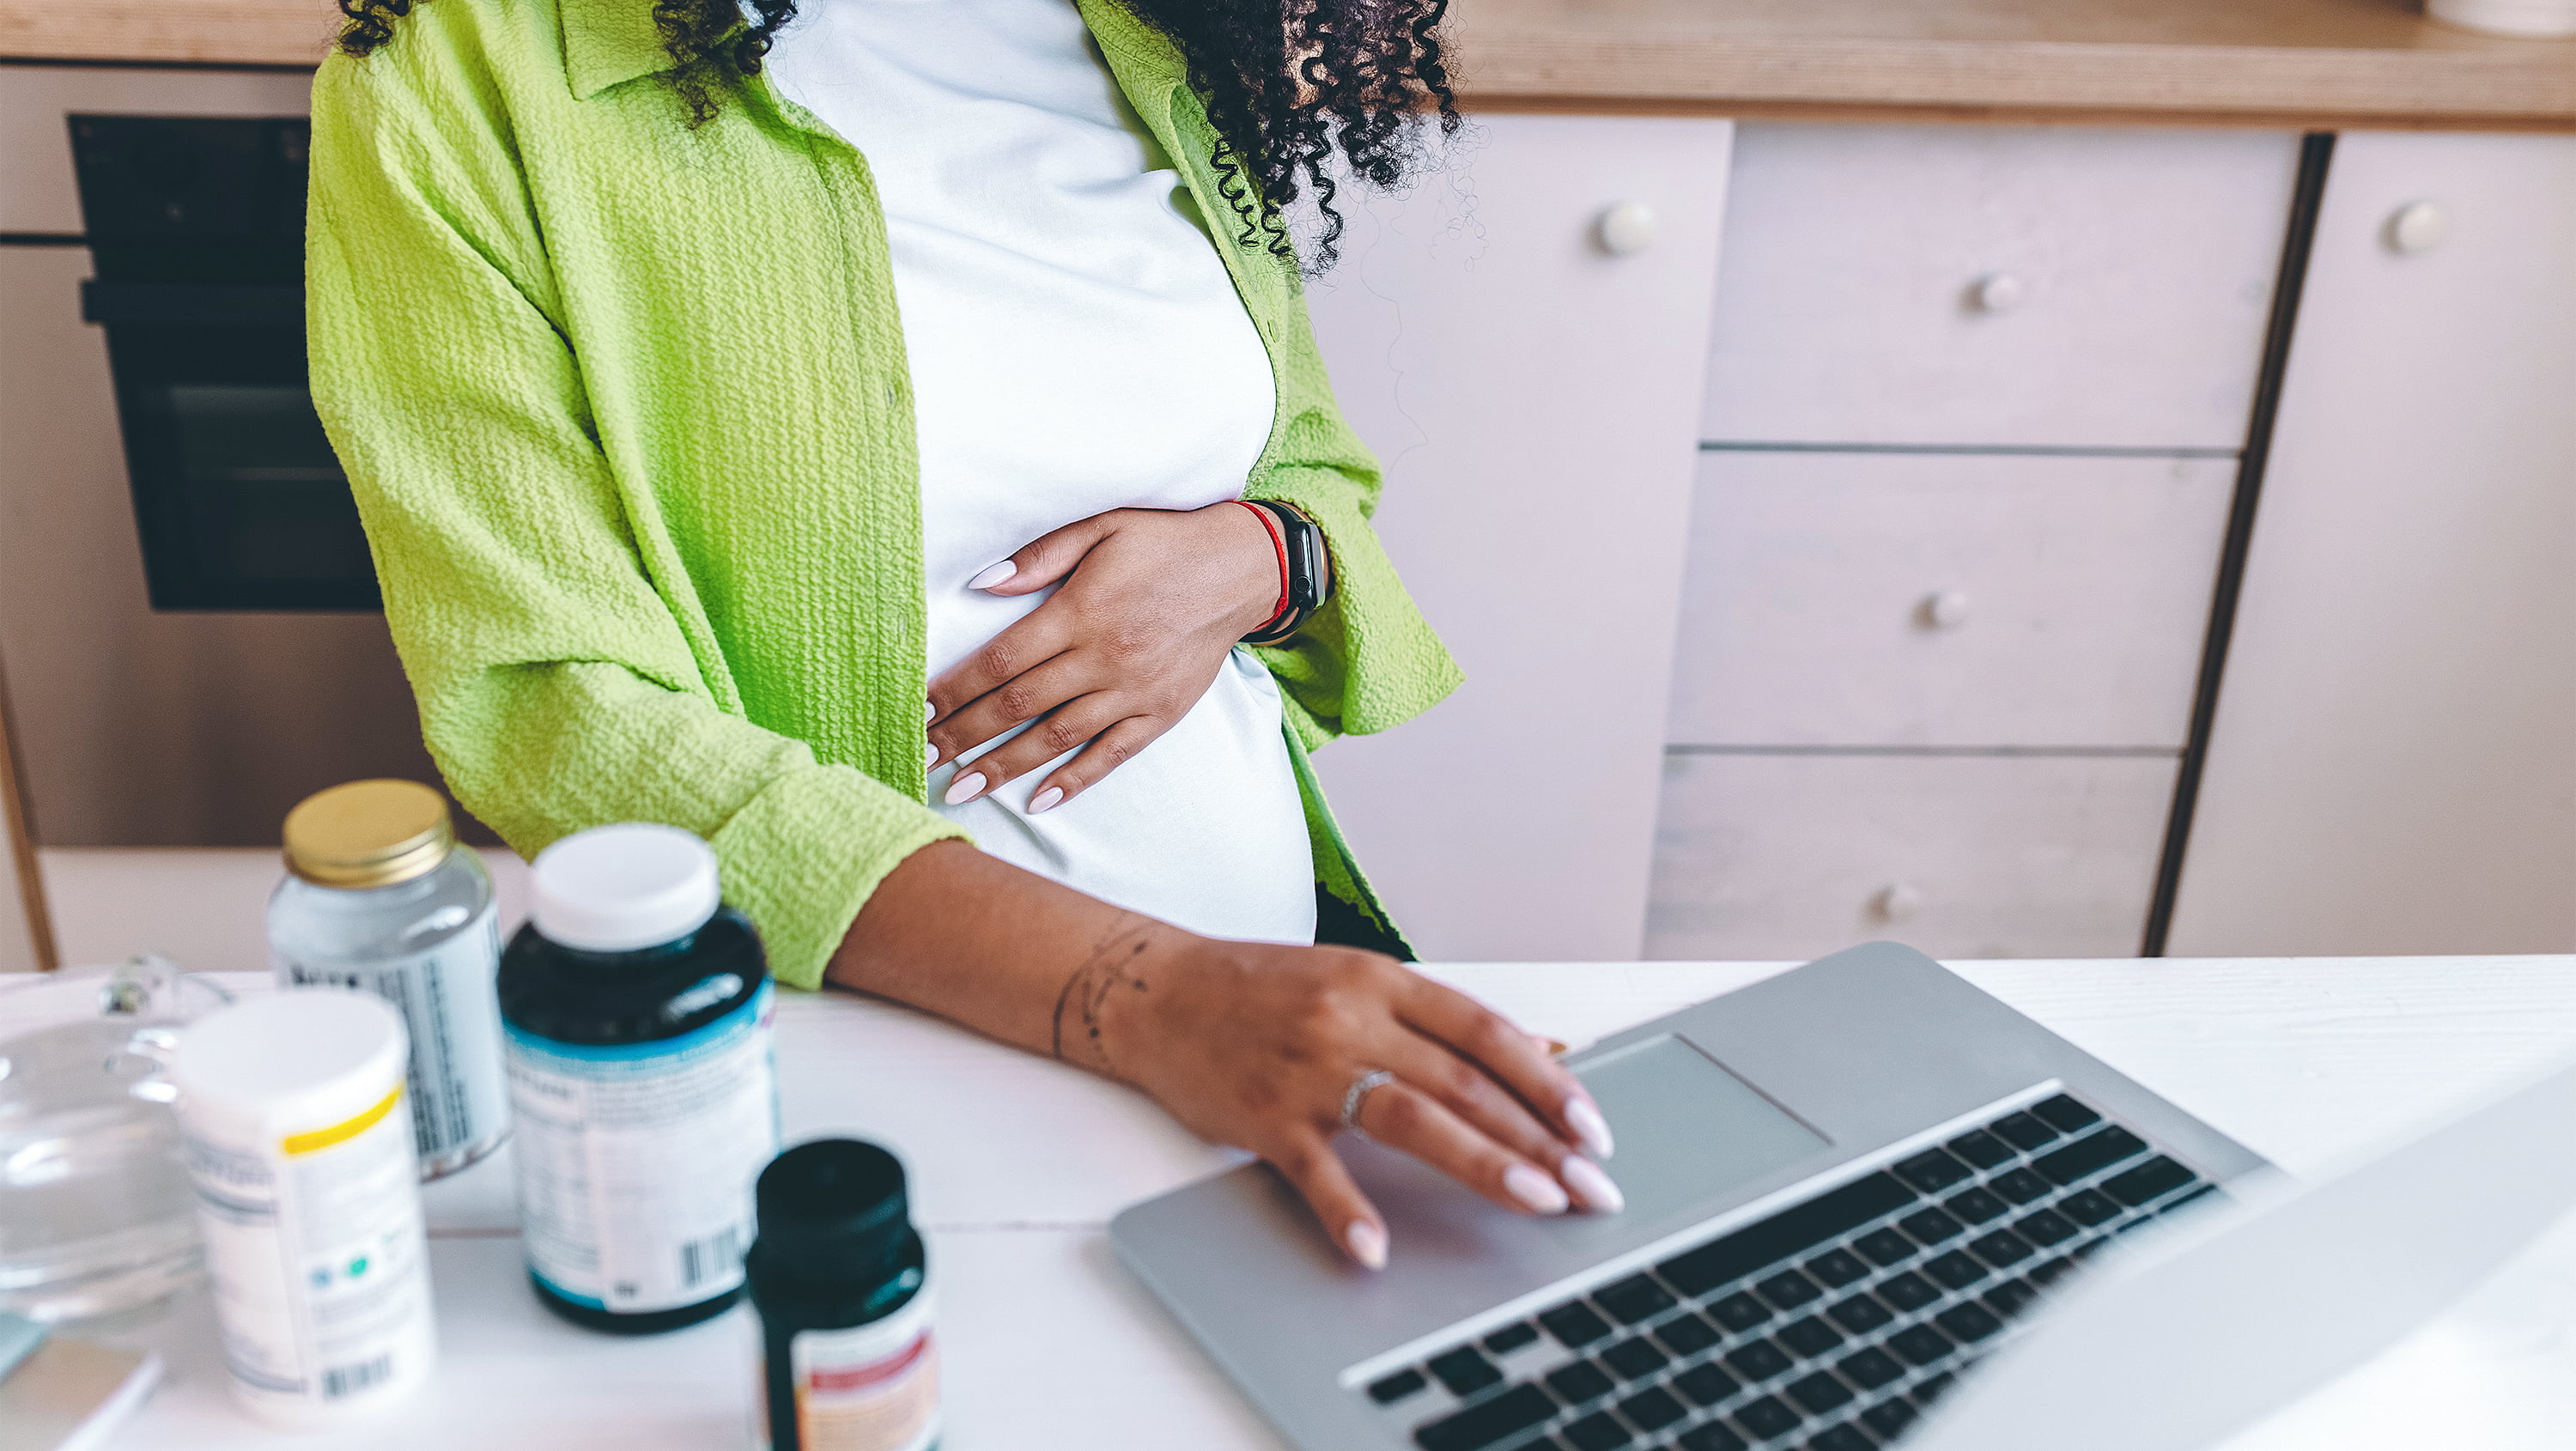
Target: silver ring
column 1359, row 1089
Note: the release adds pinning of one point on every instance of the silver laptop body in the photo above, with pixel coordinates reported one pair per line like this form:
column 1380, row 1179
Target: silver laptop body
column 1846, row 1185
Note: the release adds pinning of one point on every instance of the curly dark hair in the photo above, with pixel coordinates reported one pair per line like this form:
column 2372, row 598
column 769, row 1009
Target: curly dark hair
column 1287, row 83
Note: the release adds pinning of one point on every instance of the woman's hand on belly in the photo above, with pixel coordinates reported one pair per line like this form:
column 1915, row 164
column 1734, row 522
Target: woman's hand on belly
column 1151, row 601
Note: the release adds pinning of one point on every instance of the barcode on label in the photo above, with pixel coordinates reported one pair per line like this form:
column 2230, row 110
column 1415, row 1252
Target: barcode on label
column 348, row 1380
column 716, row 1255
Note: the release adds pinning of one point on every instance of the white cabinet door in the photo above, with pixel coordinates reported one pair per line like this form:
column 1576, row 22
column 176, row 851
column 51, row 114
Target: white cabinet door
column 1534, row 396
column 2393, row 765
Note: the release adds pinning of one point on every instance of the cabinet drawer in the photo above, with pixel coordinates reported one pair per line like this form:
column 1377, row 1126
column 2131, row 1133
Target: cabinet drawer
column 1793, row 856
column 1946, row 599
column 1994, row 285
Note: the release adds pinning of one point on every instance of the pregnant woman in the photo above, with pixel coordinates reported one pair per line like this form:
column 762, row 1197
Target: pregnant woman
column 864, row 433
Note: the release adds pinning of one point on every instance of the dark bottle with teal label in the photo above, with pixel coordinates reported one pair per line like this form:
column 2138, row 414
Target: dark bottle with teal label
column 842, row 1284
column 636, row 1013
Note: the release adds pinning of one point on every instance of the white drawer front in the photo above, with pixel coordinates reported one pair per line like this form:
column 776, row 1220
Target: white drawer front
column 1946, row 599
column 1994, row 285
column 1792, row 857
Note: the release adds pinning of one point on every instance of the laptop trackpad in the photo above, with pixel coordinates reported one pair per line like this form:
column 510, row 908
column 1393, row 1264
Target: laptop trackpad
column 1688, row 1130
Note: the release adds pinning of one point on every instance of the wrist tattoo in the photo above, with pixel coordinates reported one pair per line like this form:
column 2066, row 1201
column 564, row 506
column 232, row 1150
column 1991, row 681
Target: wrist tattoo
column 1112, row 966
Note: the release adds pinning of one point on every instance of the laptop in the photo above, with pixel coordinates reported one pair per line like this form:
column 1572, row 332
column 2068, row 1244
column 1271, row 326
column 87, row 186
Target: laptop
column 1867, row 1203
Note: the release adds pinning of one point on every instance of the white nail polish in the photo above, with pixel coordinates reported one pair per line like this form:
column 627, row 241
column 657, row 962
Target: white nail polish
column 1367, row 1243
column 1589, row 1125
column 929, row 711
column 930, row 755
column 1535, row 1189
column 1045, row 800
column 993, row 574
column 963, row 789
column 1599, row 1195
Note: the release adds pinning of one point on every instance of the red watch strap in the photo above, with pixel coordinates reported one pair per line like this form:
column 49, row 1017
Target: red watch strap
column 1279, row 541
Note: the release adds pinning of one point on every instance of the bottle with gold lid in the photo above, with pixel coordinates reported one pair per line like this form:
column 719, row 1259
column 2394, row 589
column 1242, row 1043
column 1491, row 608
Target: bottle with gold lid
column 378, row 897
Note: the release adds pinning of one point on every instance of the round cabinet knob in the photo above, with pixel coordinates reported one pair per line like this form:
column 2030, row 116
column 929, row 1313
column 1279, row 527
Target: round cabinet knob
column 1626, row 229
column 2417, row 227
column 1996, row 293
column 1897, row 901
column 1944, row 609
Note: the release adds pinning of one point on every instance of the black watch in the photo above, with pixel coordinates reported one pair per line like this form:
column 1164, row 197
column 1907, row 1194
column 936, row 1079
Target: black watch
column 1310, row 578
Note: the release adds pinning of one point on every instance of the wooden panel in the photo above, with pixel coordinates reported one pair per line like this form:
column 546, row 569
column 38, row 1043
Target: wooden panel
column 1789, row 856
column 38, row 191
column 1847, row 310
column 2077, row 591
column 1532, row 398
column 2393, row 764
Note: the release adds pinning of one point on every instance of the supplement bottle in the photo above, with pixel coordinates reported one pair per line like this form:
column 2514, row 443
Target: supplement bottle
column 839, row 1278
column 636, row 1008
column 380, row 898
column 309, row 1202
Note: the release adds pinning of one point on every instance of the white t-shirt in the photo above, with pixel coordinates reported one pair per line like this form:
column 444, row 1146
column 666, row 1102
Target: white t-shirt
column 1076, row 346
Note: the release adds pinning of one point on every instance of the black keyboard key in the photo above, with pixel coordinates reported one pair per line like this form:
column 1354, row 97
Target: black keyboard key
column 2045, row 1226
column 1889, row 1420
column 1842, row 1438
column 1968, row 1322
column 1788, row 1289
column 2049, row 1273
column 2021, row 1186
column 2148, row 1182
column 2205, row 1191
column 1635, row 1359
column 1511, row 1338
column 1542, row 1443
column 1579, row 1382
column 1785, row 1235
column 1711, row 1437
column 1574, row 1326
column 1765, row 1418
column 1686, row 1335
column 1487, row 1422
column 1597, row 1432
column 1396, row 1387
column 1741, row 1311
column 1931, row 1226
column 1981, row 1149
column 2089, row 1206
column 1920, row 1344
column 1757, row 1360
column 1810, row 1337
column 2065, row 1115
column 1634, row 1299
column 1934, row 1387
column 1870, row 1369
column 1837, row 1267
column 1859, row 1313
column 1907, row 1291
column 1955, row 1270
column 1465, row 1371
column 1932, row 1171
column 2089, row 1155
column 1976, row 1206
column 2003, row 1247
column 2023, row 1131
column 2010, row 1298
column 1706, row 1385
column 1653, row 1408
column 1884, row 1247
column 1819, row 1393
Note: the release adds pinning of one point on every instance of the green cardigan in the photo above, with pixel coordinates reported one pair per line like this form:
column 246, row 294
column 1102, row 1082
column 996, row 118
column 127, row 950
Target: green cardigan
column 626, row 409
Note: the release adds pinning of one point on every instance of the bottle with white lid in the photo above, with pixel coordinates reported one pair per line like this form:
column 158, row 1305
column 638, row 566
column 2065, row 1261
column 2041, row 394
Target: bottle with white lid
column 379, row 897
column 636, row 1008
column 309, row 1202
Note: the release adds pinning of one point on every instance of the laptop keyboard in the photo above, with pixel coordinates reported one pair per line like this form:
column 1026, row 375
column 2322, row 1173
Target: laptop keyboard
column 1828, row 1326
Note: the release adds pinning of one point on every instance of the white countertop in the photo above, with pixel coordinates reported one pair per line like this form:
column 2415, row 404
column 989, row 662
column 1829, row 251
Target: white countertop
column 1018, row 1164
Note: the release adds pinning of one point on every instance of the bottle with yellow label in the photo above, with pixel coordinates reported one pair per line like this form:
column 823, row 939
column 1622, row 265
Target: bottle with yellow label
column 300, row 1152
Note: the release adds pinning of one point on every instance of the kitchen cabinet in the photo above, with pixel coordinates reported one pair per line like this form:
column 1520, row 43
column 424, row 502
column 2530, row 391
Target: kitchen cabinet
column 2392, row 766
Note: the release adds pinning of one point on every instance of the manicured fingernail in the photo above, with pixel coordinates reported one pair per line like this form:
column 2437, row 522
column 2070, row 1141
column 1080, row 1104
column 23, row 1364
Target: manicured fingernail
column 965, row 788
column 1550, row 1046
column 1589, row 1125
column 1535, row 1189
column 929, row 711
column 930, row 756
column 1367, row 1243
column 993, row 574
column 1045, row 800
column 1586, row 1179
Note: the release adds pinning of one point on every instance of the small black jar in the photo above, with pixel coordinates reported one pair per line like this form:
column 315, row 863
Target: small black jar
column 841, row 1282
